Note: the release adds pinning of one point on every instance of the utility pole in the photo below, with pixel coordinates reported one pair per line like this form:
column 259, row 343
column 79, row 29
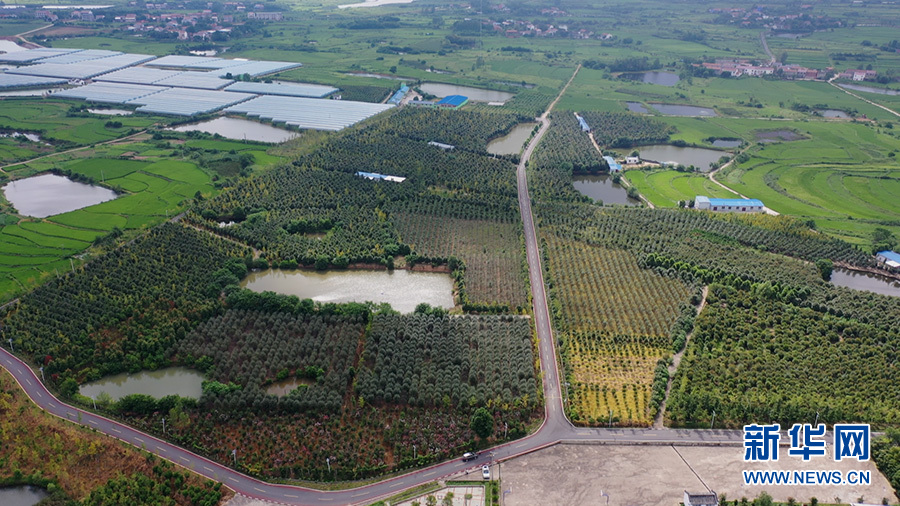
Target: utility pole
column 73, row 265
column 164, row 425
column 505, row 429
column 11, row 345
column 713, row 420
column 415, row 455
column 42, row 374
column 234, row 454
column 817, row 420
column 328, row 461
column 610, row 419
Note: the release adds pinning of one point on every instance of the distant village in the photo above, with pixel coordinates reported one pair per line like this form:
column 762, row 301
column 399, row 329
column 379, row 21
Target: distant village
column 215, row 22
column 738, row 68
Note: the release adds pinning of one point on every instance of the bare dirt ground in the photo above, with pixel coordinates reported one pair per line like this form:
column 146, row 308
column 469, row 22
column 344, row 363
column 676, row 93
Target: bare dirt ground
column 658, row 475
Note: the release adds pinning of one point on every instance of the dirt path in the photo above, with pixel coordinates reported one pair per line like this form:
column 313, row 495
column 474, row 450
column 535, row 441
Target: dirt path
column 21, row 36
column 676, row 361
column 712, row 177
column 876, row 104
column 765, row 45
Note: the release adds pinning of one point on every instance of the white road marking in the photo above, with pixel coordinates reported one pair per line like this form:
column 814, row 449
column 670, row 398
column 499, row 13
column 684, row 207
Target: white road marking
column 395, row 485
column 93, row 422
column 429, row 474
column 139, row 439
column 360, row 494
column 292, row 496
column 208, row 469
column 115, row 430
column 184, row 459
column 160, row 448
column 259, row 490
column 39, row 394
column 520, row 445
column 28, row 381
column 232, row 479
column 52, row 405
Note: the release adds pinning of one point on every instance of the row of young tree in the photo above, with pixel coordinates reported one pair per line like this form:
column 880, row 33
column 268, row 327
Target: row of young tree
column 753, row 358
column 625, row 129
column 124, row 310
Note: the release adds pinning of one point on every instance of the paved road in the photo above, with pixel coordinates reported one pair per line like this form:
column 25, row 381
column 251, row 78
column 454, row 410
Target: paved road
column 555, row 429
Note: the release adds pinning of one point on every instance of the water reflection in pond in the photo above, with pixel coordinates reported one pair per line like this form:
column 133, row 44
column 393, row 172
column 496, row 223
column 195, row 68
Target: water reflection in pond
column 160, row 383
column 637, row 107
column 49, row 194
column 727, row 143
column 25, row 495
column 870, row 89
column 240, row 129
column 602, row 187
column 660, row 78
column 683, row 110
column 286, row 386
column 474, row 94
column 511, row 143
column 865, row 281
column 833, row 113
column 402, row 289
column 698, row 157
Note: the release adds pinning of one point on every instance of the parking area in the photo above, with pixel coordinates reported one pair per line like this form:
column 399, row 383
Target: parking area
column 659, row 475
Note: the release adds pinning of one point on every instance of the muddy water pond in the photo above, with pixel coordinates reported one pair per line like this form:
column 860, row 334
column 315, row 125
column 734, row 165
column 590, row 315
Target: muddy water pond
column 727, row 143
column 474, row 94
column 402, row 289
column 286, row 386
column 833, row 113
column 511, row 143
column 604, row 189
column 698, row 157
column 865, row 281
column 777, row 136
column 660, row 78
column 158, row 384
column 25, row 495
column 870, row 89
column 240, row 129
column 49, row 194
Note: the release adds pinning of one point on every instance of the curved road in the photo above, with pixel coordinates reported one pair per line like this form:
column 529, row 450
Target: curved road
column 555, row 429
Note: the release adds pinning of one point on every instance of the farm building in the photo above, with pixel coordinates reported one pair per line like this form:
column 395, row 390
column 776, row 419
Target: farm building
column 614, row 166
column 584, row 126
column 445, row 147
column 398, row 96
column 703, row 499
column 728, row 205
column 452, row 101
column 889, row 259
column 632, row 160
column 381, row 177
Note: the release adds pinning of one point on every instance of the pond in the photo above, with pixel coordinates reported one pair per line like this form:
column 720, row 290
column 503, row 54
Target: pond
column 286, row 386
column 698, row 157
column 777, row 135
column 683, row 110
column 870, row 89
column 158, row 384
column 402, row 289
column 833, row 113
column 240, row 129
column 637, row 107
column 727, row 143
column 865, row 281
column 474, row 94
column 511, row 143
column 602, row 188
column 660, row 78
column 111, row 112
column 24, row 495
column 49, row 194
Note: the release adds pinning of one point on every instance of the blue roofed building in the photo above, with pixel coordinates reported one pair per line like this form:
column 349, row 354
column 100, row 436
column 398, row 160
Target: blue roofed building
column 728, row 205
column 614, row 166
column 889, row 259
column 398, row 96
column 452, row 101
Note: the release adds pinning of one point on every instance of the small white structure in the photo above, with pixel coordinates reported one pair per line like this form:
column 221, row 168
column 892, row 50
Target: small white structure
column 445, row 147
column 728, row 205
column 703, row 499
column 889, row 259
column 632, row 160
column 381, row 177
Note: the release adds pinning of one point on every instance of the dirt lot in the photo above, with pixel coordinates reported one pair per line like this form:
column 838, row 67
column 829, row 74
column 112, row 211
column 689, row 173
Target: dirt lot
column 658, row 475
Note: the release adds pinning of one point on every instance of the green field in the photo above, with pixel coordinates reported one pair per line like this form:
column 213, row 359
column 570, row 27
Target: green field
column 153, row 190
